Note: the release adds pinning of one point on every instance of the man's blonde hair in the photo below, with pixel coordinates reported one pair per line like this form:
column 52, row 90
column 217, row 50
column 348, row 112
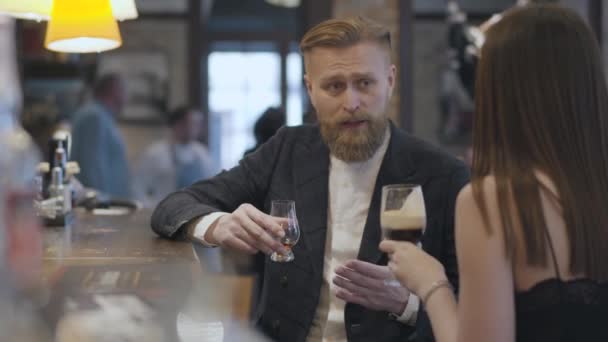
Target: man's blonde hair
column 344, row 33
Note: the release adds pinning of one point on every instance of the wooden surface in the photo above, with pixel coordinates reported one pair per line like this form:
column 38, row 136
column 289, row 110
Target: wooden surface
column 112, row 239
column 104, row 255
column 100, row 254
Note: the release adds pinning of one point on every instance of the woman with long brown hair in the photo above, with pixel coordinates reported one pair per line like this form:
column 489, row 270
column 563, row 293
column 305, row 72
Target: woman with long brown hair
column 532, row 227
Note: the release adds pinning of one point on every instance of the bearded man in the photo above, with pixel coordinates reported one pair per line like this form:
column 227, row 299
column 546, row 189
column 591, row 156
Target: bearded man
column 336, row 289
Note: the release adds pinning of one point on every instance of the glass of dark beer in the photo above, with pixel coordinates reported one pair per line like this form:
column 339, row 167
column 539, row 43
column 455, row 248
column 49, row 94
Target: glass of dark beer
column 286, row 210
column 402, row 215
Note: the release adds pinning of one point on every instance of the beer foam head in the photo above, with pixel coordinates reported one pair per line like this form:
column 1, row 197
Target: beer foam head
column 411, row 215
column 397, row 220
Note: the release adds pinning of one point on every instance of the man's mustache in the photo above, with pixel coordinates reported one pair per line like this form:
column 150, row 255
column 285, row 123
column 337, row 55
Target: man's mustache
column 350, row 118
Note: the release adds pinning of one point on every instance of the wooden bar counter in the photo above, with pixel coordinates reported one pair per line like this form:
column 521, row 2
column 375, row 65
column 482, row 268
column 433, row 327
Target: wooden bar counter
column 101, row 255
column 112, row 239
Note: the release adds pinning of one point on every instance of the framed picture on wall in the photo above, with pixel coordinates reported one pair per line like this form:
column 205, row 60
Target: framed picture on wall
column 146, row 74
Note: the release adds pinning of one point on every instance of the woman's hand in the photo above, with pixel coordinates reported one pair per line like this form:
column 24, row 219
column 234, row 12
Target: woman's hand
column 413, row 267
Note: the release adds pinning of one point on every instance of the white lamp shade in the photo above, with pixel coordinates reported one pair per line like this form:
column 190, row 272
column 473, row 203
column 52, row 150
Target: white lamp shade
column 124, row 9
column 27, row 9
column 41, row 9
column 284, row 3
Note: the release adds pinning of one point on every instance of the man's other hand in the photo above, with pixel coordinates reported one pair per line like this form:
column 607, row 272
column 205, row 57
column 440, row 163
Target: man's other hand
column 371, row 286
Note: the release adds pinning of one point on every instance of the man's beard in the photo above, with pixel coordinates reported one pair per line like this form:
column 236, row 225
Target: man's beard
column 353, row 144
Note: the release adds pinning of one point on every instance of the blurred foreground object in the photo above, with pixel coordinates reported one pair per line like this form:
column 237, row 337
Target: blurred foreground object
column 130, row 318
column 20, row 234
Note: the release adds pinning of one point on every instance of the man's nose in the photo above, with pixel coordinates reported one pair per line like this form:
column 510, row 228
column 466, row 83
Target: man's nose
column 352, row 100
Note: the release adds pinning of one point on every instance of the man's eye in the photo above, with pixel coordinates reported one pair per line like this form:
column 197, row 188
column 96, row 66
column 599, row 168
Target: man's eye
column 365, row 83
column 334, row 87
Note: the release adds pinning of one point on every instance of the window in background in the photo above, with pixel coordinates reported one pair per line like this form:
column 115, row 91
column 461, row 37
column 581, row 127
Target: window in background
column 295, row 89
column 242, row 84
column 244, row 80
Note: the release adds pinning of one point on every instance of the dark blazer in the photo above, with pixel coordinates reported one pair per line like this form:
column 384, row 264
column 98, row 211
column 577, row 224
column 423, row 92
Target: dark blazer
column 295, row 165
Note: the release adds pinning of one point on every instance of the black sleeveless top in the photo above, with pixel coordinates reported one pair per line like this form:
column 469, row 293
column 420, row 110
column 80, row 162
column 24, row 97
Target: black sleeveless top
column 554, row 310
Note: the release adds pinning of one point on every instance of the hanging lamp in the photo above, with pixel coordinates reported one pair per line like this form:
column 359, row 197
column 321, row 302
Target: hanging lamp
column 124, row 9
column 284, row 3
column 27, row 9
column 41, row 9
column 78, row 26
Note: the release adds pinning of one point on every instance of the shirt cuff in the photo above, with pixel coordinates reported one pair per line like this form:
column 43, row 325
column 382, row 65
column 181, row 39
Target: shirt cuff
column 201, row 226
column 410, row 314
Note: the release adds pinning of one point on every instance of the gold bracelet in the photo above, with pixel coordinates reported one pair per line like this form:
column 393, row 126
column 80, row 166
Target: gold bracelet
column 434, row 287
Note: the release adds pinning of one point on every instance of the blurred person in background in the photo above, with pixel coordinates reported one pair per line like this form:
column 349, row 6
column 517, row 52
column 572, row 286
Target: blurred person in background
column 175, row 162
column 42, row 122
column 532, row 227
column 266, row 126
column 97, row 144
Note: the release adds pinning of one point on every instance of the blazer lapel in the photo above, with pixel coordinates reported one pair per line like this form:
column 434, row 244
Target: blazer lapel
column 311, row 176
column 396, row 168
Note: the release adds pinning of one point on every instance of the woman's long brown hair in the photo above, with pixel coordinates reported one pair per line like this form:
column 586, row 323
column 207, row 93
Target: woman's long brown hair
column 542, row 104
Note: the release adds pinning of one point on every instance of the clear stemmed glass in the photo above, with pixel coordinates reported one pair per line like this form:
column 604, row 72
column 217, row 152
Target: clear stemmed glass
column 286, row 209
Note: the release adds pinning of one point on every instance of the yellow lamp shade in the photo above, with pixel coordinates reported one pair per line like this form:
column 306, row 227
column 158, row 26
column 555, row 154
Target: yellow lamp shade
column 27, row 9
column 124, row 9
column 41, row 9
column 78, row 26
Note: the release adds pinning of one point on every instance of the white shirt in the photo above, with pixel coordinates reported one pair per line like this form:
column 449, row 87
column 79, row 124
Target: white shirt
column 351, row 186
column 155, row 173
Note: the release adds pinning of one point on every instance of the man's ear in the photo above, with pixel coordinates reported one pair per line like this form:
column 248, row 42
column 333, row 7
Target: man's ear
column 308, row 84
column 392, row 74
column 309, row 90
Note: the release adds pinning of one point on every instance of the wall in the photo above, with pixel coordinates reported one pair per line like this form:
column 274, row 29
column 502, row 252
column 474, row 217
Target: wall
column 169, row 37
column 430, row 45
column 605, row 34
column 581, row 6
column 385, row 12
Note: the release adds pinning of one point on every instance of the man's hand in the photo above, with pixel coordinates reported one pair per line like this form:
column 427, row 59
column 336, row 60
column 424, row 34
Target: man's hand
column 248, row 230
column 363, row 283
